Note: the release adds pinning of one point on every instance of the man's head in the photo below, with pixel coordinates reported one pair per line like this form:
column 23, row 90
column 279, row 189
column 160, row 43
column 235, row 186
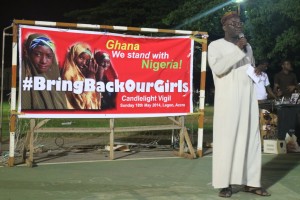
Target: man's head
column 229, row 15
column 264, row 64
column 287, row 66
column 232, row 24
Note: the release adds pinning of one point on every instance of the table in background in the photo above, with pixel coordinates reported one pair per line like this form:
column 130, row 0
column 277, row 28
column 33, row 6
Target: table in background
column 288, row 120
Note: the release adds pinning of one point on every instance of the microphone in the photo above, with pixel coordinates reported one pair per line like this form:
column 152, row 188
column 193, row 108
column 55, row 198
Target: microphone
column 241, row 35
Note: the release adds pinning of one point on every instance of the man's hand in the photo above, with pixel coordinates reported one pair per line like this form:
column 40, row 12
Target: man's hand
column 242, row 42
column 279, row 93
column 291, row 88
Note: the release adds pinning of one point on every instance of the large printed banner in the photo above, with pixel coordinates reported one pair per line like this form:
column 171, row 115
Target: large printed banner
column 90, row 74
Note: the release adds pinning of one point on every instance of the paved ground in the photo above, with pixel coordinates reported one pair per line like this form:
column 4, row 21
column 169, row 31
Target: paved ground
column 143, row 175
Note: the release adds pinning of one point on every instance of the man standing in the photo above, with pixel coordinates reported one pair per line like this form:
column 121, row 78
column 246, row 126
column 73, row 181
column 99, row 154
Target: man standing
column 263, row 87
column 236, row 136
column 263, row 93
column 285, row 82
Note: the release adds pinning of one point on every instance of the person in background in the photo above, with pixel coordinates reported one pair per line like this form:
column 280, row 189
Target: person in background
column 80, row 66
column 264, row 92
column 263, row 87
column 236, row 135
column 285, row 81
column 39, row 60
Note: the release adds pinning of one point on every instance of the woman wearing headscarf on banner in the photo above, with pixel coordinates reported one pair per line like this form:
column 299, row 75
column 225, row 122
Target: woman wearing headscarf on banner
column 80, row 66
column 39, row 60
column 106, row 73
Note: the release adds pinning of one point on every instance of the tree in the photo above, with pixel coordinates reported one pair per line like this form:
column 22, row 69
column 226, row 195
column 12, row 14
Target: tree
column 274, row 28
column 204, row 16
column 137, row 13
column 271, row 26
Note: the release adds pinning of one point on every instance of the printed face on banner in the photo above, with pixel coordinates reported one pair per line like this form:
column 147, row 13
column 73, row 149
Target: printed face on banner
column 64, row 73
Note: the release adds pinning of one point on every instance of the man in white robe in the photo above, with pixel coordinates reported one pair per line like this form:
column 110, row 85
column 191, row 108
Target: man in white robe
column 236, row 136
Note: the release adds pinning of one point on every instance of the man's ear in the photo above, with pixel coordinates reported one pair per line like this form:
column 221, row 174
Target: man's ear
column 224, row 28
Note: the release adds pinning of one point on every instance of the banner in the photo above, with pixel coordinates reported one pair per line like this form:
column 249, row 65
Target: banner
column 90, row 74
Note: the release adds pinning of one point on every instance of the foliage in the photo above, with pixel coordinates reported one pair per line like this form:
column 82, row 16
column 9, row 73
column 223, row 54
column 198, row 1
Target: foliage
column 274, row 30
column 202, row 15
column 135, row 13
column 271, row 26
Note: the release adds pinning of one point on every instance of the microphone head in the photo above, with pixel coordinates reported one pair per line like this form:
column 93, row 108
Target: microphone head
column 241, row 35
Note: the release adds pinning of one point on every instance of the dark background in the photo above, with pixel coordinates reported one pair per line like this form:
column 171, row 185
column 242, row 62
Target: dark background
column 36, row 11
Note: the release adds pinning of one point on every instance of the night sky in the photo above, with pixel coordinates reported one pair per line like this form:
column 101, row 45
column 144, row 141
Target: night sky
column 37, row 11
column 41, row 10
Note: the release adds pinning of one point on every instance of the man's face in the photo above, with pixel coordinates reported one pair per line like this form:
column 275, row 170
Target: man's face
column 265, row 66
column 233, row 26
column 287, row 66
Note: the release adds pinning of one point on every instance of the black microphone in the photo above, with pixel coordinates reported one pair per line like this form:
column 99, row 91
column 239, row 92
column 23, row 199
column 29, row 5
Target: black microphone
column 241, row 35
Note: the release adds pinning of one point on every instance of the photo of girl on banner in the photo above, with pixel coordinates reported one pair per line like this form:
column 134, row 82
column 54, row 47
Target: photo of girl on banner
column 39, row 60
column 107, row 73
column 78, row 66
